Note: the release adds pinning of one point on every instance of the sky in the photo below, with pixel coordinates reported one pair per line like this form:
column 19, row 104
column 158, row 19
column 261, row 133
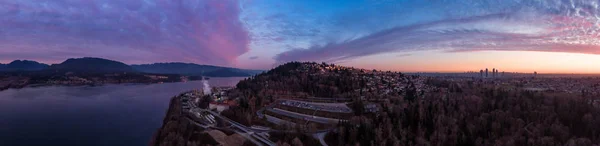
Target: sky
column 553, row 36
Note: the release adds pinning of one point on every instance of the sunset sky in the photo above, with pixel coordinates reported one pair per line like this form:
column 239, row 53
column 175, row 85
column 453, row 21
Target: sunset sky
column 551, row 36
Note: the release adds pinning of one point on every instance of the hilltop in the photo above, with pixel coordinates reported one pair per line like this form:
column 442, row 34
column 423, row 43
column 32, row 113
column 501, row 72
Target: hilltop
column 340, row 105
column 91, row 65
column 327, row 80
column 261, row 96
column 23, row 65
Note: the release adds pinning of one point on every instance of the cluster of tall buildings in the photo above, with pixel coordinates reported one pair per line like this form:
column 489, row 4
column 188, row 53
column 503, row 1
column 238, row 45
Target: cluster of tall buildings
column 486, row 73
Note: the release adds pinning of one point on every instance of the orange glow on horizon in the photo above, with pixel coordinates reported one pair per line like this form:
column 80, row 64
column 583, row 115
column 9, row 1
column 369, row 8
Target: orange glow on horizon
column 509, row 61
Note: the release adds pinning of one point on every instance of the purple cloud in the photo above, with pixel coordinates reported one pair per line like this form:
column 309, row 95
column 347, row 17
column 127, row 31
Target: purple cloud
column 133, row 31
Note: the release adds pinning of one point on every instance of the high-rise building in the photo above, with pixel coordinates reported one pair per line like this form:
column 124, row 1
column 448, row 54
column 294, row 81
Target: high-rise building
column 497, row 74
column 493, row 72
column 481, row 73
column 486, row 72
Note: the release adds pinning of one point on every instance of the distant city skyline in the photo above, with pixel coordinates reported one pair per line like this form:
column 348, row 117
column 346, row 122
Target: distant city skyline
column 550, row 36
column 459, row 66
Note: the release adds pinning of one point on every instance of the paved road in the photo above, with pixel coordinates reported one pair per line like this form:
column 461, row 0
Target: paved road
column 321, row 137
column 256, row 136
column 329, row 107
column 248, row 133
column 320, row 134
column 253, row 133
column 243, row 134
column 260, row 112
column 321, row 120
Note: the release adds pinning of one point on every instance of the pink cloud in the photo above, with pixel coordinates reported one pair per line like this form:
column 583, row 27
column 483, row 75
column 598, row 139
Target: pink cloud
column 207, row 31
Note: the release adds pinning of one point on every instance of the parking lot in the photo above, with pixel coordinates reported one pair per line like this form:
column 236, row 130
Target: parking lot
column 329, row 107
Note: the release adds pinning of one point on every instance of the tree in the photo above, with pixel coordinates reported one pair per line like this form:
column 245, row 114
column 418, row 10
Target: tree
column 358, row 107
column 410, row 92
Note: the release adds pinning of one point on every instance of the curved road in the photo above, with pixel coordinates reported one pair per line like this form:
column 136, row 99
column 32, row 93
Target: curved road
column 252, row 134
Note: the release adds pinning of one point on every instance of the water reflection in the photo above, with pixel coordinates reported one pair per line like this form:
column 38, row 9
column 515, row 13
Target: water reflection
column 101, row 115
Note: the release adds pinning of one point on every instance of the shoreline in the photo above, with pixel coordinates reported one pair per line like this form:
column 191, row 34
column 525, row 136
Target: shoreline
column 15, row 85
column 82, row 85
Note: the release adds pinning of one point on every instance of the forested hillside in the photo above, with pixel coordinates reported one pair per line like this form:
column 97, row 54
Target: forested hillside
column 430, row 111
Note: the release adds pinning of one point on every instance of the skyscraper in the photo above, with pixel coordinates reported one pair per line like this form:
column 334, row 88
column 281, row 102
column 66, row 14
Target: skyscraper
column 486, row 72
column 497, row 73
column 481, row 73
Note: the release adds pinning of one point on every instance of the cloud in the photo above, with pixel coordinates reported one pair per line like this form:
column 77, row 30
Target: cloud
column 403, row 55
column 551, row 26
column 133, row 31
column 253, row 57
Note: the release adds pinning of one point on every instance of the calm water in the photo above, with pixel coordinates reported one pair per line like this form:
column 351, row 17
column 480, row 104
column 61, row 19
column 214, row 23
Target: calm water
column 105, row 115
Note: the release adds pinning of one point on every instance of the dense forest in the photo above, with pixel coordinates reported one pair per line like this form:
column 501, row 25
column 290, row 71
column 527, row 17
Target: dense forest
column 480, row 116
column 472, row 112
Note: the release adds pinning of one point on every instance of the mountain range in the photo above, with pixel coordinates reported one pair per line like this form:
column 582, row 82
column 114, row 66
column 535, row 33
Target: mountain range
column 100, row 65
column 90, row 65
column 191, row 69
column 23, row 65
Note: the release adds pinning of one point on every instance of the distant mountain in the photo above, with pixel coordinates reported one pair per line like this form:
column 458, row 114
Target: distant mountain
column 23, row 65
column 175, row 68
column 228, row 72
column 91, row 65
column 191, row 69
column 100, row 65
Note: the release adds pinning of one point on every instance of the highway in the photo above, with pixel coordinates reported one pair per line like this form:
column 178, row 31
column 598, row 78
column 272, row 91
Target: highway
column 256, row 136
column 250, row 131
column 236, row 131
column 320, row 134
column 321, row 120
column 251, row 134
